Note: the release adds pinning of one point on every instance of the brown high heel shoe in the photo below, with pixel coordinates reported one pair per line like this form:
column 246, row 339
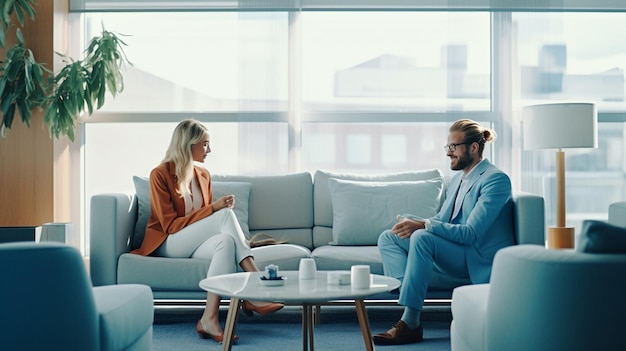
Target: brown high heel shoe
column 248, row 308
column 204, row 335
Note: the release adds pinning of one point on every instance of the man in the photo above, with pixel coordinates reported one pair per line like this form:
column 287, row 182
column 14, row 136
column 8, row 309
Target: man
column 460, row 241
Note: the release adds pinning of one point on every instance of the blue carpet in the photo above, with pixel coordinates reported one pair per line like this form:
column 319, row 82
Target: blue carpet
column 338, row 330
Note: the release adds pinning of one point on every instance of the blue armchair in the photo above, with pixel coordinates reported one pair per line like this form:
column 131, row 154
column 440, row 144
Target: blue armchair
column 545, row 300
column 47, row 302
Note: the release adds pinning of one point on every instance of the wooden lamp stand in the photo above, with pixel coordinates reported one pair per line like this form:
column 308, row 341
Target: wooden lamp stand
column 560, row 236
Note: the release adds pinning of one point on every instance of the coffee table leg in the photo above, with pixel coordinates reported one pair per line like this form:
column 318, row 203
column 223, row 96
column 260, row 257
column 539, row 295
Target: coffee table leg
column 364, row 322
column 231, row 321
column 311, row 326
column 307, row 327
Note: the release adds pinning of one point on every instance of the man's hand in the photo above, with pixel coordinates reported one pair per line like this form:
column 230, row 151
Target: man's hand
column 405, row 227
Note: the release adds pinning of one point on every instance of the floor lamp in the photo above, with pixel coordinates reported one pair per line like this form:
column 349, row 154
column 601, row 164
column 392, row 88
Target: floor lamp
column 560, row 126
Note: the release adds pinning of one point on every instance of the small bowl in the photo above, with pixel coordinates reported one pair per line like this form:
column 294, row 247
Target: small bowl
column 272, row 282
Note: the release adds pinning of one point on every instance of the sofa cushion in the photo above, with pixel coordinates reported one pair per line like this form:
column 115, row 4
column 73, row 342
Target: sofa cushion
column 601, row 237
column 142, row 192
column 183, row 274
column 328, row 258
column 285, row 256
column 241, row 190
column 162, row 273
column 363, row 210
column 321, row 191
column 283, row 201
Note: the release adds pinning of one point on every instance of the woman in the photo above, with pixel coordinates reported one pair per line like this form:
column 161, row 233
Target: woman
column 185, row 222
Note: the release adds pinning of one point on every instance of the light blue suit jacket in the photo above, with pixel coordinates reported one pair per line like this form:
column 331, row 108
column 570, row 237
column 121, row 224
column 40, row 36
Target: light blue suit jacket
column 484, row 221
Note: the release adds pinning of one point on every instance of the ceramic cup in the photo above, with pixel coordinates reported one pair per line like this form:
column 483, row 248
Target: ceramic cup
column 360, row 276
column 307, row 268
column 271, row 271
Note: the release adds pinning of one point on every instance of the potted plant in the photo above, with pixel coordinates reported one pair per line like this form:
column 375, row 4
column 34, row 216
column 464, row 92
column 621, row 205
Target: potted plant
column 80, row 86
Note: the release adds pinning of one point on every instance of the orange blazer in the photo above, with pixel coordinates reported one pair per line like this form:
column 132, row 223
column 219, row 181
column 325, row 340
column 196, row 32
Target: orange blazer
column 167, row 213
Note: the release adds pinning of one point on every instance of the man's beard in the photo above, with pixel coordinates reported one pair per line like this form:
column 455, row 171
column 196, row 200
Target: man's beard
column 462, row 161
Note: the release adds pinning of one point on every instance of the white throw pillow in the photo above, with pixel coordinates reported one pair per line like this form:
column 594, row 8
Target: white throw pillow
column 362, row 210
column 241, row 190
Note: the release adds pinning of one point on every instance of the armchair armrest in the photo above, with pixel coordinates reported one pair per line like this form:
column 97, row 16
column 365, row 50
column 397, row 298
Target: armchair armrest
column 617, row 213
column 112, row 222
column 529, row 219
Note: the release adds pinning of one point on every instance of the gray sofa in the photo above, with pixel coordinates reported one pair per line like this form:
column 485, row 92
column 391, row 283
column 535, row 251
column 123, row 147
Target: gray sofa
column 331, row 217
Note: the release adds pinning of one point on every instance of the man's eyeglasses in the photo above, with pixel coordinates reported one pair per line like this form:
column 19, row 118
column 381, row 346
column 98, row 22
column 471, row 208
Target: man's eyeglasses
column 452, row 147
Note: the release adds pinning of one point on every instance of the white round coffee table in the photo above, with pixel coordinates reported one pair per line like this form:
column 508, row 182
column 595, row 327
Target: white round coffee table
column 247, row 286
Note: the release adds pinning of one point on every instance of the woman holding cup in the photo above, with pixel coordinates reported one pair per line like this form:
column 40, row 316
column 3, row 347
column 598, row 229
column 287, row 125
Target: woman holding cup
column 185, row 221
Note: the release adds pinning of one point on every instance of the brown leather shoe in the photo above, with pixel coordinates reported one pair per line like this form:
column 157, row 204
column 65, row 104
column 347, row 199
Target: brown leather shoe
column 399, row 334
column 247, row 308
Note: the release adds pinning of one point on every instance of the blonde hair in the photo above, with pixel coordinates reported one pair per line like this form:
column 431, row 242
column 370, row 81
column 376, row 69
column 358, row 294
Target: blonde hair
column 186, row 133
column 474, row 132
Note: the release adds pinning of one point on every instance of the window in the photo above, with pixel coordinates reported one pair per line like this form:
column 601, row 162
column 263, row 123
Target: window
column 395, row 61
column 199, row 61
column 560, row 58
column 359, row 90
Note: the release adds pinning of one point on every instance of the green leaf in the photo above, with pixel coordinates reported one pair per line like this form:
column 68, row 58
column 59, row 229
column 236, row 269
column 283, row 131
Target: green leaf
column 14, row 69
column 3, row 84
column 38, row 73
column 28, row 6
column 6, row 102
column 28, row 81
column 7, row 10
column 9, row 115
column 25, row 111
column 20, row 37
column 100, row 98
column 70, row 133
column 50, row 114
column 20, row 17
column 87, row 98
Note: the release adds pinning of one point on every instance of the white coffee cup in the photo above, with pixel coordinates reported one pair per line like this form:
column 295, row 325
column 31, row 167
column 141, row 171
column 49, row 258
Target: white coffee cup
column 307, row 268
column 360, row 276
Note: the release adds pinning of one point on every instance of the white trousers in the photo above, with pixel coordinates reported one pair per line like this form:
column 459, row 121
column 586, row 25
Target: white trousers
column 218, row 238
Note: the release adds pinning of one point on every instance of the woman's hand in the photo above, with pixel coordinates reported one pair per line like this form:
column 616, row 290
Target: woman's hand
column 227, row 201
column 405, row 227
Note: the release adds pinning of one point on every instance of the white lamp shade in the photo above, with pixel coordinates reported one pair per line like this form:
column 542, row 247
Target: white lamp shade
column 560, row 125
